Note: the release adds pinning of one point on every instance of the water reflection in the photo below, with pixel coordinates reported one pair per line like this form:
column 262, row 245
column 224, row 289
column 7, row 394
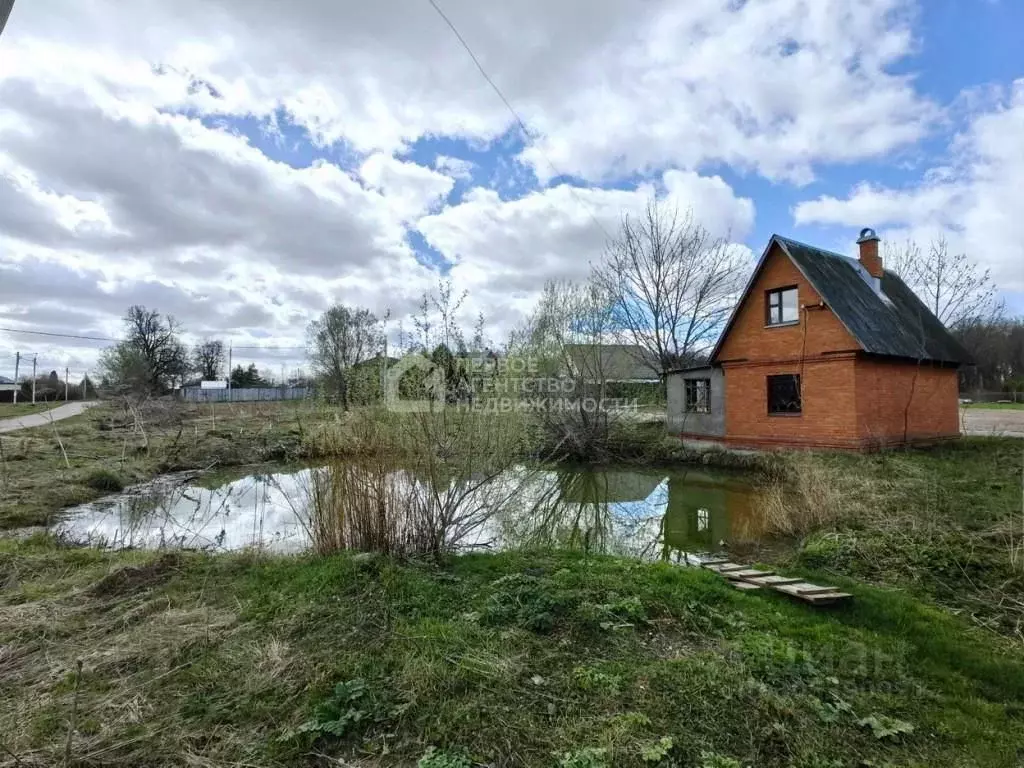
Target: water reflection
column 647, row 514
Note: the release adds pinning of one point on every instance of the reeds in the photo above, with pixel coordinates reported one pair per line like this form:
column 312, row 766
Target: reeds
column 408, row 484
column 807, row 496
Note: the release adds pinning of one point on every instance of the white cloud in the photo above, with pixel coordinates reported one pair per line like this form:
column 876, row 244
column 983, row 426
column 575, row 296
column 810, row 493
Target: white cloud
column 974, row 200
column 455, row 167
column 503, row 251
column 776, row 85
column 410, row 189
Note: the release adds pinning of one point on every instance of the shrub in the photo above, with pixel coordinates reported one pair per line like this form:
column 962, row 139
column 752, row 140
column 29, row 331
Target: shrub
column 103, row 480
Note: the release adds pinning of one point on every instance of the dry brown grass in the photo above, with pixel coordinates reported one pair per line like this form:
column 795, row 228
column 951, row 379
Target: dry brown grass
column 809, row 496
column 127, row 643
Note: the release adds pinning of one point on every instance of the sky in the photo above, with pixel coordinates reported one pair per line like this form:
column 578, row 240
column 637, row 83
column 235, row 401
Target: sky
column 244, row 164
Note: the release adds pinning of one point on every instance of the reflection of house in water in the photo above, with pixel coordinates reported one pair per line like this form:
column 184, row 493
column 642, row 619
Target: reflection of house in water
column 704, row 511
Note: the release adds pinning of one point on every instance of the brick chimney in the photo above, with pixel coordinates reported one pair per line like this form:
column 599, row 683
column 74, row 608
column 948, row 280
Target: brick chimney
column 869, row 258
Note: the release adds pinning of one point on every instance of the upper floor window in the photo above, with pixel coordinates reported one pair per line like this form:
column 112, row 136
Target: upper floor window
column 782, row 306
column 698, row 396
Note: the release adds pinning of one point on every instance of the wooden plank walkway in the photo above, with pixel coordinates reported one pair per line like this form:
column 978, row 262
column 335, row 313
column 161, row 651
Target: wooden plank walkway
column 746, row 578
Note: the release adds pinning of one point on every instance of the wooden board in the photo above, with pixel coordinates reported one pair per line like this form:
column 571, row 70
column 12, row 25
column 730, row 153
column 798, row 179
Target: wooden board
column 771, row 580
column 747, row 573
column 812, row 593
column 748, row 579
column 725, row 567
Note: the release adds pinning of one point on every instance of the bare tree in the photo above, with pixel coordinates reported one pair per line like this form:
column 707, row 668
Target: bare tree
column 208, row 359
column 151, row 358
column 341, row 339
column 953, row 286
column 671, row 282
column 564, row 338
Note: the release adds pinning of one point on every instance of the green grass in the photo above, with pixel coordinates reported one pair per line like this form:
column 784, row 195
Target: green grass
column 997, row 406
column 512, row 659
column 946, row 523
column 12, row 410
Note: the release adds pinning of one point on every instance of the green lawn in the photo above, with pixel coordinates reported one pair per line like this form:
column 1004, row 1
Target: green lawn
column 498, row 660
column 11, row 410
column 1006, row 406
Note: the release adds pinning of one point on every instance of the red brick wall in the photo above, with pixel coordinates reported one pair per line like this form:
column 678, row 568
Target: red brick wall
column 829, row 404
column 896, row 395
column 749, row 338
column 848, row 400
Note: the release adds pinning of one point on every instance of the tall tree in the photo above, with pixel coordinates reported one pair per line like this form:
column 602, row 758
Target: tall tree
column 208, row 359
column 151, row 358
column 340, row 339
column 952, row 285
column 671, row 282
column 244, row 378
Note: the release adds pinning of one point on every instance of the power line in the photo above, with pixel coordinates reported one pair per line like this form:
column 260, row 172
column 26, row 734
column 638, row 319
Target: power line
column 518, row 119
column 270, row 347
column 59, row 335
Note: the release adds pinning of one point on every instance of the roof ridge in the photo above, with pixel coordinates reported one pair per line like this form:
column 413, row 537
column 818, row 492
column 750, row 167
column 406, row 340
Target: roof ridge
column 818, row 248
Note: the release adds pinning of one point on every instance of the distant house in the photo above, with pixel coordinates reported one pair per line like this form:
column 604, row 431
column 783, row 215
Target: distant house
column 612, row 363
column 7, row 389
column 823, row 350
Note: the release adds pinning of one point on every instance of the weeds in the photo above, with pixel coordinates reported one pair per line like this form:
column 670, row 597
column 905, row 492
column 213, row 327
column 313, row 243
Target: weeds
column 104, row 480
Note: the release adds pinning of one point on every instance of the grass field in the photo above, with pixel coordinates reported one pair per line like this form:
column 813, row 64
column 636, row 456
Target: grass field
column 500, row 660
column 75, row 460
column 946, row 523
column 12, row 410
column 514, row 658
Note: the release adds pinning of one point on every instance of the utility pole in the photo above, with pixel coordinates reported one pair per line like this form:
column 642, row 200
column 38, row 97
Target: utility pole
column 229, row 370
column 34, row 358
column 17, row 362
column 67, row 374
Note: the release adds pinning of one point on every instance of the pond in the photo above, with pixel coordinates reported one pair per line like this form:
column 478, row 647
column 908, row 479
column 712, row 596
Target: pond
column 621, row 510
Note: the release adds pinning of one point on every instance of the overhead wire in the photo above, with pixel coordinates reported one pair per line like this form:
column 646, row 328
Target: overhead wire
column 519, row 121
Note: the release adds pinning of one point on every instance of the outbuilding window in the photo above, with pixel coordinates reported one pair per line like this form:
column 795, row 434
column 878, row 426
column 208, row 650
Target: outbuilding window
column 698, row 396
column 784, row 394
column 781, row 306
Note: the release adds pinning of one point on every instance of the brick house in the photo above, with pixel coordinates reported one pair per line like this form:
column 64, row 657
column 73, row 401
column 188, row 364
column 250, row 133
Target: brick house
column 823, row 351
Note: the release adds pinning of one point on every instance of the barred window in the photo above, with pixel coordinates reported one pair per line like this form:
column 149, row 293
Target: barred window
column 698, row 396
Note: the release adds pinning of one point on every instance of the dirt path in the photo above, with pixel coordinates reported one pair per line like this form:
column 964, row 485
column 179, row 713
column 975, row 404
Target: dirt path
column 42, row 419
column 993, row 421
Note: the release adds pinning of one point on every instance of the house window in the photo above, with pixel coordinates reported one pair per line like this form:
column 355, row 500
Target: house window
column 784, row 394
column 698, row 396
column 782, row 306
